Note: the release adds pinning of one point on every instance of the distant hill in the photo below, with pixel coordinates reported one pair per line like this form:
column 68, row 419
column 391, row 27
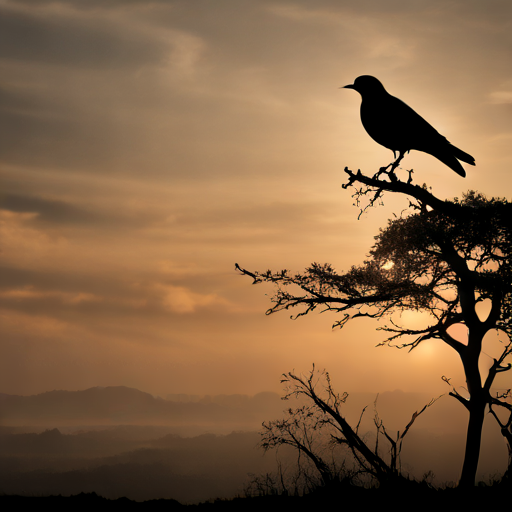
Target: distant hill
column 121, row 462
column 121, row 405
column 118, row 405
column 436, row 438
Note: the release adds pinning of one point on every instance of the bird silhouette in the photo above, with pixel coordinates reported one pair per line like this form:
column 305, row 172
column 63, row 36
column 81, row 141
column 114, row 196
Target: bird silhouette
column 396, row 126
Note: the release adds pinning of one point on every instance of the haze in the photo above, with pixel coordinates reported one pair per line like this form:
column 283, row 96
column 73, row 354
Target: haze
column 147, row 146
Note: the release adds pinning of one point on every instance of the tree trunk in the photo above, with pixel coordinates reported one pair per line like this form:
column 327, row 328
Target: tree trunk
column 473, row 441
column 476, row 406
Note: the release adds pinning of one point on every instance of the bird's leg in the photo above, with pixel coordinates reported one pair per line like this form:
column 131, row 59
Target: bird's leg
column 392, row 165
column 395, row 164
column 384, row 170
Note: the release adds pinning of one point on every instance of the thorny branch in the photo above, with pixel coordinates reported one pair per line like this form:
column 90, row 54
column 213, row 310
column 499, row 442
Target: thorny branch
column 374, row 187
column 428, row 261
column 308, row 425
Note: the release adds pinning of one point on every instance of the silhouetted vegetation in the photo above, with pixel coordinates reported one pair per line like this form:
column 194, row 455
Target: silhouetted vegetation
column 443, row 259
column 330, row 450
column 402, row 498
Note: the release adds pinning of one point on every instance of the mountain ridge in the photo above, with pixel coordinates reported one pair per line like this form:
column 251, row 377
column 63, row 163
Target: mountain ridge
column 114, row 405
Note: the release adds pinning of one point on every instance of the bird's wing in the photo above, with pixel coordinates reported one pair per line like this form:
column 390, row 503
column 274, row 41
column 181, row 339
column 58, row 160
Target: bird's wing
column 424, row 137
column 396, row 126
column 413, row 129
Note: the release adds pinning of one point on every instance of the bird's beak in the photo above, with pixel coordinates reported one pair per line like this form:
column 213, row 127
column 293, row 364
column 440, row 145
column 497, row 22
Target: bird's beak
column 350, row 86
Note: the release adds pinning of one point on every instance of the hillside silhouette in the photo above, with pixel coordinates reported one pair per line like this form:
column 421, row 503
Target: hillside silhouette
column 118, row 405
column 114, row 464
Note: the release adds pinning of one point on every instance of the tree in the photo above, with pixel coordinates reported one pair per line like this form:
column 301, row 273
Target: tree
column 318, row 428
column 442, row 258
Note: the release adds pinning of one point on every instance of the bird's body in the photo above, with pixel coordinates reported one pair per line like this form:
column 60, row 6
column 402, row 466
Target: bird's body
column 396, row 126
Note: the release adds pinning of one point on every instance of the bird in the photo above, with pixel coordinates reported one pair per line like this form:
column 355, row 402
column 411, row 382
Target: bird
column 393, row 124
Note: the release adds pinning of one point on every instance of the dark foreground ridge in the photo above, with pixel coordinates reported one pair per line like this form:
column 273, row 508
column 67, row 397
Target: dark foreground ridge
column 400, row 498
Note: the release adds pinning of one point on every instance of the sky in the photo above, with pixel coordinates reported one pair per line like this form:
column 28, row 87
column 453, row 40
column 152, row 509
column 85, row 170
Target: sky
column 148, row 146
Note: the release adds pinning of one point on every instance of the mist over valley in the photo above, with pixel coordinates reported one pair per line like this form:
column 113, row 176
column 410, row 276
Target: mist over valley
column 119, row 441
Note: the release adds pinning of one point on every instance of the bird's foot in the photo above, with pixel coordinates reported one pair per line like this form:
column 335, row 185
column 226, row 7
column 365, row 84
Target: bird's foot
column 390, row 173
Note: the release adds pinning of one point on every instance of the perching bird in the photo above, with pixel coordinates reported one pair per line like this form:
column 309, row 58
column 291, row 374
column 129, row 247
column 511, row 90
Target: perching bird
column 396, row 126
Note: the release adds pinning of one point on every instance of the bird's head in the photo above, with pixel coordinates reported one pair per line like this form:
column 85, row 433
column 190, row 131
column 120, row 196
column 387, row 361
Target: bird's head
column 366, row 84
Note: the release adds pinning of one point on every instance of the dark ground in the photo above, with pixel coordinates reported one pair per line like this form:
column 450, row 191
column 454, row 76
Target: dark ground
column 421, row 498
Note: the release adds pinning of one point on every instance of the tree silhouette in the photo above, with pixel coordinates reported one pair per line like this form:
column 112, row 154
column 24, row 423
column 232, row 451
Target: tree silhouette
column 441, row 258
column 318, row 427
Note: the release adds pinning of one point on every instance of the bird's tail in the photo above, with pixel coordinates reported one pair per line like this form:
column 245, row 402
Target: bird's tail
column 460, row 155
column 449, row 160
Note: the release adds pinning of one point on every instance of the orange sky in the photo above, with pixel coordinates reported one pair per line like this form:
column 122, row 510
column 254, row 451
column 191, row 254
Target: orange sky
column 147, row 146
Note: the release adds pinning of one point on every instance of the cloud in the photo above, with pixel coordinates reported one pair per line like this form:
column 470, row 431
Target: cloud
column 180, row 299
column 327, row 10
column 65, row 39
column 29, row 292
column 88, row 91
column 500, row 97
column 72, row 302
column 186, row 53
column 47, row 210
column 322, row 13
column 180, row 269
column 52, row 219
column 277, row 216
column 94, row 4
column 23, row 243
